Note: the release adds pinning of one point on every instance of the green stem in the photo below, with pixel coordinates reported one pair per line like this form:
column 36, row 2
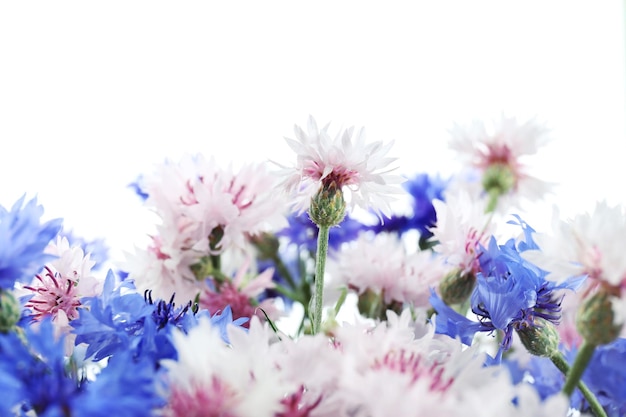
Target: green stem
column 559, row 361
column 320, row 266
column 578, row 367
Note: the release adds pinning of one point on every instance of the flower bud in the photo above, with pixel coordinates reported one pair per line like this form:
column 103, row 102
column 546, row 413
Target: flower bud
column 10, row 311
column 540, row 338
column 328, row 208
column 596, row 320
column 456, row 287
column 498, row 179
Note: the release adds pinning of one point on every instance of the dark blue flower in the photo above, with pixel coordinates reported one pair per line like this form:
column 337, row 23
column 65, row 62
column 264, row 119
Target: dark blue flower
column 23, row 238
column 121, row 319
column 423, row 189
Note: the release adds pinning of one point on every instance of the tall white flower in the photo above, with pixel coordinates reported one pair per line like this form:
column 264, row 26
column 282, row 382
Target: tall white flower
column 591, row 245
column 588, row 244
column 360, row 170
column 497, row 155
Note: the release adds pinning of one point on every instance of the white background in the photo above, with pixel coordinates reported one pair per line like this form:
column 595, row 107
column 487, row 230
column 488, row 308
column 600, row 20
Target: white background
column 93, row 94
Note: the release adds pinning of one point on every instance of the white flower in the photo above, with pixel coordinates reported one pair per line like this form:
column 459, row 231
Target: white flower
column 504, row 146
column 382, row 264
column 589, row 244
column 212, row 378
column 462, row 225
column 360, row 170
column 204, row 210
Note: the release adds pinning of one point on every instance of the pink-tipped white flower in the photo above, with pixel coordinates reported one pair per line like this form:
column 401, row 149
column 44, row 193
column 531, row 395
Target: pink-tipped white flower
column 241, row 294
column 498, row 153
column 58, row 289
column 204, row 210
column 210, row 378
column 589, row 244
column 383, row 266
column 361, row 171
column 462, row 225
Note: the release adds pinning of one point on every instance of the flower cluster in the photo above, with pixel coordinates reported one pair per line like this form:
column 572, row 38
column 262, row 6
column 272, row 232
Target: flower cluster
column 263, row 292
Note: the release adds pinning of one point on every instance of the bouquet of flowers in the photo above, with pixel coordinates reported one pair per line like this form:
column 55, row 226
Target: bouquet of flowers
column 329, row 287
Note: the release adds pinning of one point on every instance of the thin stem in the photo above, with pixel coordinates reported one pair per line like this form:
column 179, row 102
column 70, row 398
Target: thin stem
column 578, row 367
column 559, row 361
column 320, row 266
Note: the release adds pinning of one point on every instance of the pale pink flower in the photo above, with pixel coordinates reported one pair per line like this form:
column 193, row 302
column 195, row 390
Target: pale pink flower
column 424, row 375
column 212, row 378
column 505, row 144
column 204, row 210
column 57, row 290
column 383, row 265
column 462, row 225
column 362, row 171
column 589, row 244
column 241, row 294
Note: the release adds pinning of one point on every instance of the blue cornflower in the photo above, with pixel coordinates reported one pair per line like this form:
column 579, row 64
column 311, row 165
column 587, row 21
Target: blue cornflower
column 121, row 319
column 511, row 294
column 605, row 375
column 33, row 373
column 111, row 321
column 126, row 387
column 423, row 189
column 23, row 238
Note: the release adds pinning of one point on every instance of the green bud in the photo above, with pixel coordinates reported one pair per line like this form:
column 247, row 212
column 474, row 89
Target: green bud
column 10, row 311
column 455, row 288
column 595, row 321
column 540, row 339
column 328, row 208
column 498, row 179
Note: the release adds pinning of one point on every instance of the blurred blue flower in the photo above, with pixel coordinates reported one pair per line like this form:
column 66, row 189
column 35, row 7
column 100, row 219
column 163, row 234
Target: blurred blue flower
column 605, row 376
column 126, row 387
column 136, row 187
column 423, row 189
column 33, row 372
column 303, row 232
column 23, row 238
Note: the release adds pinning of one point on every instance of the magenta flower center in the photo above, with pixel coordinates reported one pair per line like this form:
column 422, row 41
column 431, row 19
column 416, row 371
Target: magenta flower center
column 53, row 294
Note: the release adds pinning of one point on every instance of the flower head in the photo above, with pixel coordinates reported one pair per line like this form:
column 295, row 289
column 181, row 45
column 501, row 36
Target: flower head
column 498, row 154
column 511, row 294
column 205, row 210
column 361, row 171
